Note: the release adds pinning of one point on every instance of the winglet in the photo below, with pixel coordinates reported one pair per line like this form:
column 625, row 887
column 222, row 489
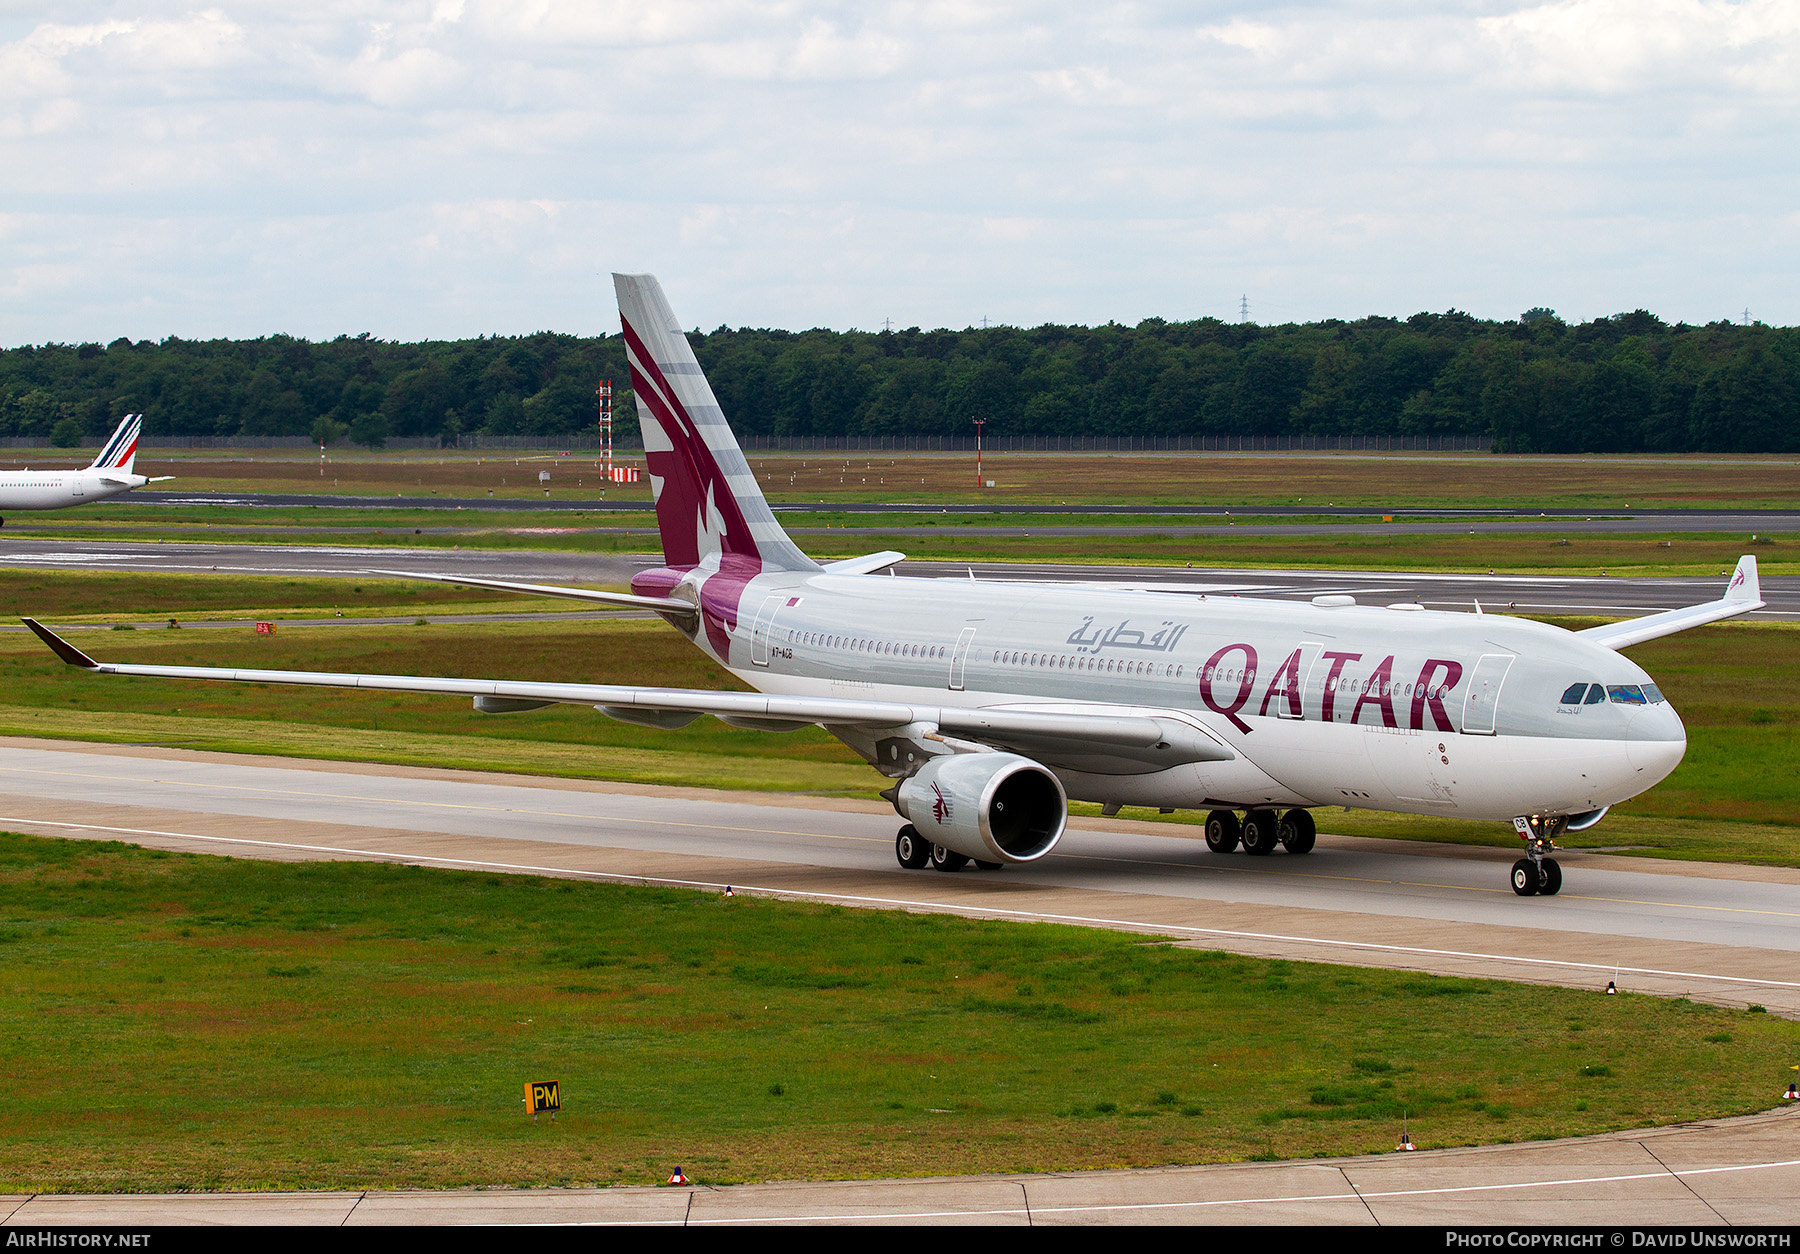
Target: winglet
column 1742, row 595
column 62, row 648
column 1744, row 585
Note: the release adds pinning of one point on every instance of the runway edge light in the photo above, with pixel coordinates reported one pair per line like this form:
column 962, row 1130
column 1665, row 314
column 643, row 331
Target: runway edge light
column 543, row 1095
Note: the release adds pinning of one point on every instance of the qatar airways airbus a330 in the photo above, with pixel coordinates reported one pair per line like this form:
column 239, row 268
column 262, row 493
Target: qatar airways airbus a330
column 991, row 704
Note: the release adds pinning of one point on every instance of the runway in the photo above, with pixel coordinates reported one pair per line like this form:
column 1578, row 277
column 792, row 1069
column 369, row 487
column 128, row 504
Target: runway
column 1526, row 594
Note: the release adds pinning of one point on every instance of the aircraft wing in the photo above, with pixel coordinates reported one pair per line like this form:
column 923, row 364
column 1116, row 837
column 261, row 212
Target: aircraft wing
column 866, row 565
column 1060, row 733
column 623, row 600
column 1742, row 595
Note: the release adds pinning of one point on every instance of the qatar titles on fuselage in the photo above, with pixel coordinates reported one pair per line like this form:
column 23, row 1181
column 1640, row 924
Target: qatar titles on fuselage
column 1411, row 710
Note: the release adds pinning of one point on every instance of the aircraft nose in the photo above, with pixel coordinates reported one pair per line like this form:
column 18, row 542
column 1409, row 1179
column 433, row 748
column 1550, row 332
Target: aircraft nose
column 1654, row 760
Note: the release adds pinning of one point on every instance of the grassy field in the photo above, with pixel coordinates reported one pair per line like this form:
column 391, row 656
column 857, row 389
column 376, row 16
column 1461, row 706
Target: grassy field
column 1340, row 548
column 142, row 596
column 1507, row 553
column 1408, row 480
column 182, row 1022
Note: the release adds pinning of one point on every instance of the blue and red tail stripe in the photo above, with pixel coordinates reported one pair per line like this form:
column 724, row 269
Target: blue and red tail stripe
column 122, row 447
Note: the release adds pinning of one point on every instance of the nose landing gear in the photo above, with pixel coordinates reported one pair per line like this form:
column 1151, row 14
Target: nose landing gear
column 1537, row 874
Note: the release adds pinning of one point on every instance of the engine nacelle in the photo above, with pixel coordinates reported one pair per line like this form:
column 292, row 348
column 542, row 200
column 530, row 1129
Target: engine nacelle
column 993, row 807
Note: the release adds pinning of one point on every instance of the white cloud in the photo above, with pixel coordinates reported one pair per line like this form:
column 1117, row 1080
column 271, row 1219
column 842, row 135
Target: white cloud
column 451, row 166
column 1607, row 47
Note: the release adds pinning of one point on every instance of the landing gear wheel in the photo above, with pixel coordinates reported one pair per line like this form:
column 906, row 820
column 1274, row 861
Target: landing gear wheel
column 1298, row 832
column 943, row 859
column 1261, row 832
column 988, row 866
column 1525, row 878
column 1222, row 831
column 1549, row 878
column 911, row 849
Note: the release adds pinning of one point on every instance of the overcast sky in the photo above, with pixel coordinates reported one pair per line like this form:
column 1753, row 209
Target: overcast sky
column 458, row 167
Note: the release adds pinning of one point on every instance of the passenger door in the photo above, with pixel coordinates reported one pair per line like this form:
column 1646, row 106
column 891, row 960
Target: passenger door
column 1483, row 699
column 960, row 657
column 765, row 623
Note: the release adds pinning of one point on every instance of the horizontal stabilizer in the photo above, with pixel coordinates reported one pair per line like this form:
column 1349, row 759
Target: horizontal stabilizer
column 623, row 600
column 1152, row 734
column 1742, row 595
column 866, row 565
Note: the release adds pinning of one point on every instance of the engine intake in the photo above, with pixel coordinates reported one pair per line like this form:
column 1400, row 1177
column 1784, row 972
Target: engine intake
column 993, row 807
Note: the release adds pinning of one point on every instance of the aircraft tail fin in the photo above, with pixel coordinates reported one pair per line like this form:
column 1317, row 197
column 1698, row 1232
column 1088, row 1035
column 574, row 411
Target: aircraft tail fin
column 707, row 501
column 120, row 451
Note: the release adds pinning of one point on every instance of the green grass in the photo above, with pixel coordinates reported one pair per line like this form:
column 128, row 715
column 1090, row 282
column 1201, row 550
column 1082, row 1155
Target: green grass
column 175, row 1021
column 147, row 596
column 1632, row 554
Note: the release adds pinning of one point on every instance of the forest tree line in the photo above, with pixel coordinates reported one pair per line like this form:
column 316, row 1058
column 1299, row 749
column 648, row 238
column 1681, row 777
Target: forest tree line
column 1627, row 383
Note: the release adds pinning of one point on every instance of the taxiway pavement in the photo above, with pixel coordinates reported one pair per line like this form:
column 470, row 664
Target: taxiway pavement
column 1535, row 594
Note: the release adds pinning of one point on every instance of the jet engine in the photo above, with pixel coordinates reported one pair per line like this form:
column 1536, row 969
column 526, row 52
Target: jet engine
column 993, row 807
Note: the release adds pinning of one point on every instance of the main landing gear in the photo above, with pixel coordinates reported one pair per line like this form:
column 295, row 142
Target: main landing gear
column 1260, row 831
column 1537, row 874
column 914, row 853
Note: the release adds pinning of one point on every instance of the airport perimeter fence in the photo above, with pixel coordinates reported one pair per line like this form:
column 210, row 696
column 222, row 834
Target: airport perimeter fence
column 588, row 443
column 1119, row 444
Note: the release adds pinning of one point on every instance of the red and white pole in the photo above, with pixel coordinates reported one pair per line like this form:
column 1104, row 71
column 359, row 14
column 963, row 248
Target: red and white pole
column 605, row 393
column 978, row 478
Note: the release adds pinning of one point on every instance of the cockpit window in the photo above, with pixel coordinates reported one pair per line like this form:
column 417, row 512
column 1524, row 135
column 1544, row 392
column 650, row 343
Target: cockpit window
column 1655, row 694
column 1596, row 694
column 1625, row 694
column 1573, row 694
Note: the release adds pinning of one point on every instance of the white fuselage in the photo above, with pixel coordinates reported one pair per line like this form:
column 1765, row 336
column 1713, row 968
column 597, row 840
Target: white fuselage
column 1410, row 710
column 58, row 489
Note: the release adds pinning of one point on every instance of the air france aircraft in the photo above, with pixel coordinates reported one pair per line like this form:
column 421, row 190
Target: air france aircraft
column 990, row 705
column 108, row 475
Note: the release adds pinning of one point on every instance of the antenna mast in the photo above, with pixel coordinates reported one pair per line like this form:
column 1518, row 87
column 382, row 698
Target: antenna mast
column 604, row 391
column 623, row 474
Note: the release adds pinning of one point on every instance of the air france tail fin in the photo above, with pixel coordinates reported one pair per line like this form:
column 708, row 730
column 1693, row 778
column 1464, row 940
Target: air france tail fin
column 121, row 450
column 707, row 502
